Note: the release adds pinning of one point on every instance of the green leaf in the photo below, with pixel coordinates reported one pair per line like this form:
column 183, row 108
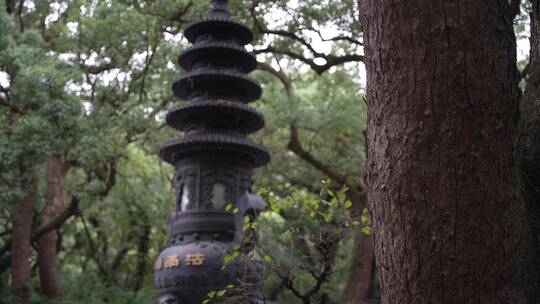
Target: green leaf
column 366, row 230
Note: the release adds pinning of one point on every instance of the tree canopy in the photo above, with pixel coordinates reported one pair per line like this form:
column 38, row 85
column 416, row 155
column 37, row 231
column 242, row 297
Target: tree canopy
column 84, row 90
column 87, row 83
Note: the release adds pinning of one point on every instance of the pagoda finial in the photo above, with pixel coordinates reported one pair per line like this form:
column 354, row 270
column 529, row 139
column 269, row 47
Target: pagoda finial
column 219, row 9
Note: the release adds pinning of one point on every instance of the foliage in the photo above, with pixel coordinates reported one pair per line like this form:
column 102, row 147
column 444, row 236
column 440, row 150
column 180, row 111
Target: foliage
column 303, row 237
column 298, row 238
column 329, row 111
column 89, row 81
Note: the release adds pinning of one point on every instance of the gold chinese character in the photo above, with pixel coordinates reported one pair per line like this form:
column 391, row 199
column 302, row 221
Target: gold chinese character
column 158, row 264
column 195, row 259
column 172, row 261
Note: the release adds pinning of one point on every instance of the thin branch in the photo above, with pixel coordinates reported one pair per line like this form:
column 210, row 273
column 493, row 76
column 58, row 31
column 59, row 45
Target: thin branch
column 149, row 59
column 296, row 38
column 279, row 74
column 331, row 60
column 117, row 261
column 288, row 282
column 296, row 147
column 177, row 17
column 93, row 249
column 98, row 69
column 342, row 38
column 111, row 179
column 337, row 38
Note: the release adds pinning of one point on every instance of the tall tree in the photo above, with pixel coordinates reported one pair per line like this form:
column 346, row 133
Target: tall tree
column 34, row 99
column 443, row 175
column 54, row 62
column 62, row 55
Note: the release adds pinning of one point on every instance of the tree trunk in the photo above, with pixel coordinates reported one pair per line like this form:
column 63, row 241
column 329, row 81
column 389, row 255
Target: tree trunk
column 359, row 281
column 360, row 278
column 443, row 187
column 55, row 204
column 21, row 235
column 143, row 245
column 530, row 141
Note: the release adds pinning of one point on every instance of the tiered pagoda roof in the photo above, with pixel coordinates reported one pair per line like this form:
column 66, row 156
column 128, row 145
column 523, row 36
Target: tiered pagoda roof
column 216, row 118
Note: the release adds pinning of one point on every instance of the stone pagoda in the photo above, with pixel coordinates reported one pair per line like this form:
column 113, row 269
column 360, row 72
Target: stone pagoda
column 214, row 162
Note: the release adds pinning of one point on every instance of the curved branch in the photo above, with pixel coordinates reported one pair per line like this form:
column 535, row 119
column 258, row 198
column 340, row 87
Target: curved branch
column 331, row 60
column 295, row 147
column 71, row 210
column 98, row 69
column 277, row 73
column 296, row 38
column 342, row 38
column 111, row 179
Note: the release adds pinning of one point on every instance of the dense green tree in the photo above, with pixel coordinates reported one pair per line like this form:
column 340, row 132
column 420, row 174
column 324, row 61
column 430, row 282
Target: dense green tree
column 84, row 89
column 85, row 86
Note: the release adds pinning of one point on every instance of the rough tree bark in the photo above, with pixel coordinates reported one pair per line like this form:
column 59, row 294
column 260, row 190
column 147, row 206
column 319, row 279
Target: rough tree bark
column 21, row 235
column 55, row 204
column 443, row 182
column 530, row 157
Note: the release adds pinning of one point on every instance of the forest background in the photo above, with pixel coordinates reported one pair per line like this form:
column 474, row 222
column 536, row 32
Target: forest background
column 84, row 88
